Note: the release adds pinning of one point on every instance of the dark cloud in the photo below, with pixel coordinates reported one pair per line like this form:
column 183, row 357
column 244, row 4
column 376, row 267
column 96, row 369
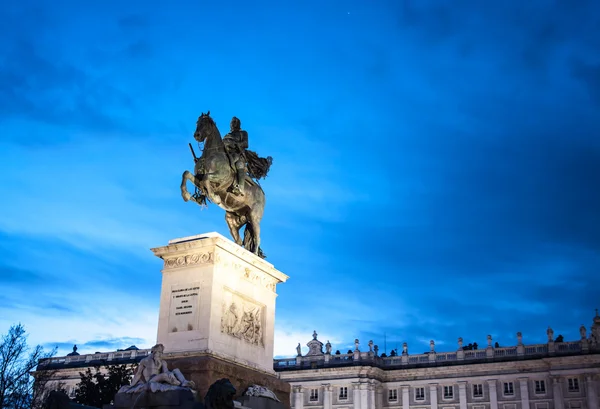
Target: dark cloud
column 133, row 22
column 589, row 75
column 44, row 90
column 139, row 49
column 44, row 271
column 527, row 35
column 61, row 308
column 47, row 80
column 16, row 275
column 104, row 345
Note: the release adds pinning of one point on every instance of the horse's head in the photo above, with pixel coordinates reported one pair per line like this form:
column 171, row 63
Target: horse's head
column 204, row 127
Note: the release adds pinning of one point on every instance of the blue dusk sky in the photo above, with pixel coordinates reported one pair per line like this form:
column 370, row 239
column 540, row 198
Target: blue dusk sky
column 436, row 163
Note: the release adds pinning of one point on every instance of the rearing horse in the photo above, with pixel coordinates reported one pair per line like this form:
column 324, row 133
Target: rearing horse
column 213, row 176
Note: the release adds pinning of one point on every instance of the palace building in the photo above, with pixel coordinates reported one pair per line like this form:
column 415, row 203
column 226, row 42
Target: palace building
column 555, row 375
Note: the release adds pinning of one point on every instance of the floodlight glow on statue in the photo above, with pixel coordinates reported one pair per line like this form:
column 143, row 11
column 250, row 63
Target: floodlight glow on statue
column 227, row 175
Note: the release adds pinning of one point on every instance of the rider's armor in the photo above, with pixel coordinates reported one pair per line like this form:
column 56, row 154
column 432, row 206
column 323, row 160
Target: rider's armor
column 236, row 143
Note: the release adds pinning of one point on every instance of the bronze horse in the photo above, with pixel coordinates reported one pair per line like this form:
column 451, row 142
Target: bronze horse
column 213, row 177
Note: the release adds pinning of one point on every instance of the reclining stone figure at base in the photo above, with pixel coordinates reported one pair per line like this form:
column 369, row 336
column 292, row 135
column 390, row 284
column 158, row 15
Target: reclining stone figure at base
column 261, row 391
column 153, row 374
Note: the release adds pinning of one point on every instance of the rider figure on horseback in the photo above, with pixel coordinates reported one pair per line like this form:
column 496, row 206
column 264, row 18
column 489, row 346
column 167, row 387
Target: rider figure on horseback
column 236, row 143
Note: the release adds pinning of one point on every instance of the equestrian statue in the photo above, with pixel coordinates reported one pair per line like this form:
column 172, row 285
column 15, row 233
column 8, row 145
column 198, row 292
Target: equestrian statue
column 227, row 175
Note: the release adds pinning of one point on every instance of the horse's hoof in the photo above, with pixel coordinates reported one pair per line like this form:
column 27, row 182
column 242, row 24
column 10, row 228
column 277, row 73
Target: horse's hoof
column 186, row 196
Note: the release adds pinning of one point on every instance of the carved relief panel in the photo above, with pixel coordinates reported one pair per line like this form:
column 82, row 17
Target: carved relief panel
column 242, row 318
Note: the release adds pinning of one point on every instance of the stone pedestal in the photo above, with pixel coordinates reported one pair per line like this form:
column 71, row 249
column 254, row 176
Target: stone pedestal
column 217, row 313
column 259, row 402
column 181, row 399
column 205, row 369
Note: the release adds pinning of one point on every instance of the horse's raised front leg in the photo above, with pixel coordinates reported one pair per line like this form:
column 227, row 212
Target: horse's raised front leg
column 184, row 192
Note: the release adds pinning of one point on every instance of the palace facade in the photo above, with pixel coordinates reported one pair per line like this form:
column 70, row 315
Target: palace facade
column 555, row 375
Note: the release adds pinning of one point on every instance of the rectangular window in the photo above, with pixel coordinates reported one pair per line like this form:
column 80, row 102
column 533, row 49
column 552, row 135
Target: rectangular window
column 343, row 392
column 540, row 387
column 419, row 393
column 478, row 390
column 509, row 388
column 392, row 395
column 448, row 392
column 314, row 395
column 541, row 405
column 573, row 384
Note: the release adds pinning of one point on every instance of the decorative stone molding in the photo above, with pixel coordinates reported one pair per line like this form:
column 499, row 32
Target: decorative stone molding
column 259, row 279
column 189, row 259
column 248, row 272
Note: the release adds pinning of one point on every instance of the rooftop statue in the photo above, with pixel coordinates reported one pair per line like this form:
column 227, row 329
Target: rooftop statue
column 227, row 175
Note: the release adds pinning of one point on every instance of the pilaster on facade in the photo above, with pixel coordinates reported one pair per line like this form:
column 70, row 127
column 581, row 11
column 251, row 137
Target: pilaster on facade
column 378, row 396
column 493, row 390
column 327, row 396
column 371, row 394
column 524, row 389
column 591, row 391
column 405, row 397
column 433, row 395
column 364, row 396
column 557, row 391
column 356, row 395
column 462, row 394
column 298, row 392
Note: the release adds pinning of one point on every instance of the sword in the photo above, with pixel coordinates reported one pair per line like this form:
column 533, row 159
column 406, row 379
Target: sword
column 193, row 153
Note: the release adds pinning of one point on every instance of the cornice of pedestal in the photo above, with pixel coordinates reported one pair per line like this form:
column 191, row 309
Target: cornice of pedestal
column 213, row 248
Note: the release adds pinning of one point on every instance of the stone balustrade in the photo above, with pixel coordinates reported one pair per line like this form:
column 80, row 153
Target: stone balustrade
column 487, row 354
column 316, row 358
column 106, row 357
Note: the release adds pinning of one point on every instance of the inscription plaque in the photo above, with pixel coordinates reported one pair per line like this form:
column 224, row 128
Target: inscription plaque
column 184, row 307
